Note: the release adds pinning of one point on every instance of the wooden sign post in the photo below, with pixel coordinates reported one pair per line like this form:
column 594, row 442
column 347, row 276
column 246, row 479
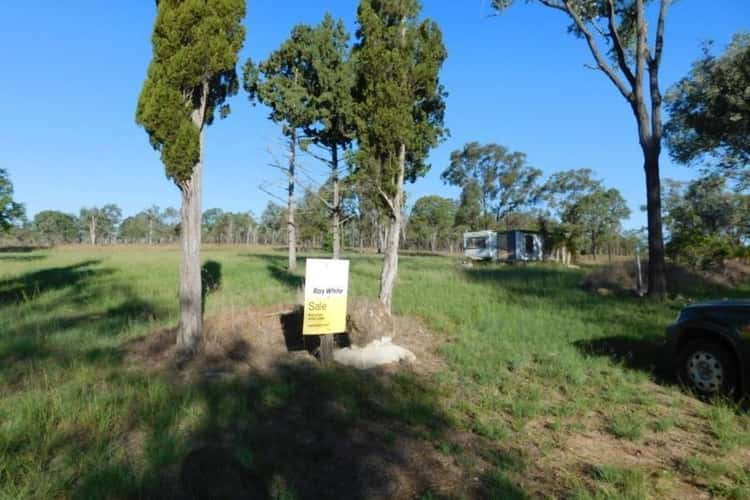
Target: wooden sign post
column 326, row 290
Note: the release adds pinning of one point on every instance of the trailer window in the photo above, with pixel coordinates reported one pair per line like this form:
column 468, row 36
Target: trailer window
column 529, row 244
column 476, row 243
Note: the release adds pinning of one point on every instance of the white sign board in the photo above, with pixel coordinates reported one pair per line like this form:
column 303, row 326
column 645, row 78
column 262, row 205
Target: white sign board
column 326, row 288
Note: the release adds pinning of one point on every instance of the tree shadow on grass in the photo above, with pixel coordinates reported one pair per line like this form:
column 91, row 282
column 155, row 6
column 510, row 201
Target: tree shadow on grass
column 296, row 431
column 211, row 280
column 57, row 331
column 22, row 258
column 20, row 248
column 276, row 266
column 30, row 285
column 645, row 355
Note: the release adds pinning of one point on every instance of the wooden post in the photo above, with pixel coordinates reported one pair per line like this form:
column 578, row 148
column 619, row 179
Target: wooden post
column 326, row 349
column 638, row 278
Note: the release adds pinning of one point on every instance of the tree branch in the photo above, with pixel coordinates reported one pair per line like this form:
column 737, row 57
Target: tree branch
column 387, row 201
column 600, row 61
column 272, row 195
column 555, row 5
column 653, row 70
column 659, row 43
column 617, row 43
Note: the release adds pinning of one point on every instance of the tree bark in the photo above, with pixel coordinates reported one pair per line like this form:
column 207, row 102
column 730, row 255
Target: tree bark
column 291, row 227
column 390, row 261
column 336, row 210
column 92, row 229
column 657, row 281
column 326, row 341
column 190, row 329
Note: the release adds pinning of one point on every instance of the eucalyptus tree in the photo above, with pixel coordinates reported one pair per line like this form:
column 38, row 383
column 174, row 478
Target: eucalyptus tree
column 400, row 107
column 469, row 212
column 710, row 112
column 191, row 75
column 621, row 26
column 505, row 180
column 588, row 212
column 10, row 210
column 56, row 227
column 476, row 166
column 100, row 222
column 154, row 218
column 598, row 215
column 431, row 220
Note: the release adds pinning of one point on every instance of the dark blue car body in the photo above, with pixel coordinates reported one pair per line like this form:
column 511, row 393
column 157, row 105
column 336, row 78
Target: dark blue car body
column 725, row 322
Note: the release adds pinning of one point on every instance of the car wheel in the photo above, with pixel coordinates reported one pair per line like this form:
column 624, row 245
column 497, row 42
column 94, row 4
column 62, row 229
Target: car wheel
column 708, row 368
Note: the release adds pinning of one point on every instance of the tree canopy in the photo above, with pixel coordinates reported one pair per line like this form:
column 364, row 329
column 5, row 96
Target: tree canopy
column 710, row 111
column 56, row 227
column 398, row 95
column 588, row 212
column 431, row 220
column 10, row 210
column 190, row 77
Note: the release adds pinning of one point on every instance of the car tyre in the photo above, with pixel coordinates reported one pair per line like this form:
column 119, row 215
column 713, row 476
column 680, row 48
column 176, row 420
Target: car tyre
column 708, row 368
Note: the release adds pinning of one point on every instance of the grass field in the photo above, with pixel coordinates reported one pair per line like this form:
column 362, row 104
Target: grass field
column 546, row 390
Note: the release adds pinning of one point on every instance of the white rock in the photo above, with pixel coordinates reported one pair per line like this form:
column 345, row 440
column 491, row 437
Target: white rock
column 376, row 353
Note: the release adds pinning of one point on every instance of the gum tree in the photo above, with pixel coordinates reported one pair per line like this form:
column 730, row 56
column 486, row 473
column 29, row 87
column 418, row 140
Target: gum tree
column 616, row 33
column 400, row 107
column 190, row 77
column 10, row 210
column 710, row 112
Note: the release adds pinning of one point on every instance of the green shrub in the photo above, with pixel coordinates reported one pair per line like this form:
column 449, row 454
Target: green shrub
column 701, row 251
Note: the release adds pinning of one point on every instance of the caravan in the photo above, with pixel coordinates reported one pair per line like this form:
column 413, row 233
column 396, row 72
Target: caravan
column 504, row 246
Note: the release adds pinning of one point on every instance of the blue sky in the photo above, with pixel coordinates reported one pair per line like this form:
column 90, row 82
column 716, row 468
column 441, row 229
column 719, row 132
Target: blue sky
column 72, row 72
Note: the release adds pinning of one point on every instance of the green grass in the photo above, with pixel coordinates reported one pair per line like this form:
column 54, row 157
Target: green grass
column 531, row 360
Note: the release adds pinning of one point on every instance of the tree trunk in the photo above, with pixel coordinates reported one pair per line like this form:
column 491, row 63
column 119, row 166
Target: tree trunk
column 291, row 228
column 390, row 261
column 190, row 329
column 92, row 230
column 336, row 210
column 326, row 341
column 657, row 281
column 150, row 230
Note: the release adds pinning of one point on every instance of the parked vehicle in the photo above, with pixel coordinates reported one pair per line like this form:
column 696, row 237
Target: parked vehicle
column 710, row 346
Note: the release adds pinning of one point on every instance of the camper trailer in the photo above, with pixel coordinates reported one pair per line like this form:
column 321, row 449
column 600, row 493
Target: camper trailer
column 504, row 246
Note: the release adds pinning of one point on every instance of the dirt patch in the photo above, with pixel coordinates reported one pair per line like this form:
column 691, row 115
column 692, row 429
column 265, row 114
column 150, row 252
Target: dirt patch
column 257, row 339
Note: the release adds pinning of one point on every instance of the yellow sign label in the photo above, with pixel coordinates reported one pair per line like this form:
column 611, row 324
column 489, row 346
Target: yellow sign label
column 326, row 288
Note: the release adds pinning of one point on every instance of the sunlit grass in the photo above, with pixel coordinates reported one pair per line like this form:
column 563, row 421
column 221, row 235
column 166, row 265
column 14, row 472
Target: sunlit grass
column 523, row 345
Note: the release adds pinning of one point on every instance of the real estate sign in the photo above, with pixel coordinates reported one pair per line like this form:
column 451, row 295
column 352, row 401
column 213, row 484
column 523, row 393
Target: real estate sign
column 326, row 288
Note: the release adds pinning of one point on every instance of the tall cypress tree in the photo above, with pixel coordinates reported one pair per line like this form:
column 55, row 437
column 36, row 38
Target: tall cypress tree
column 190, row 77
column 400, row 107
column 330, row 85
